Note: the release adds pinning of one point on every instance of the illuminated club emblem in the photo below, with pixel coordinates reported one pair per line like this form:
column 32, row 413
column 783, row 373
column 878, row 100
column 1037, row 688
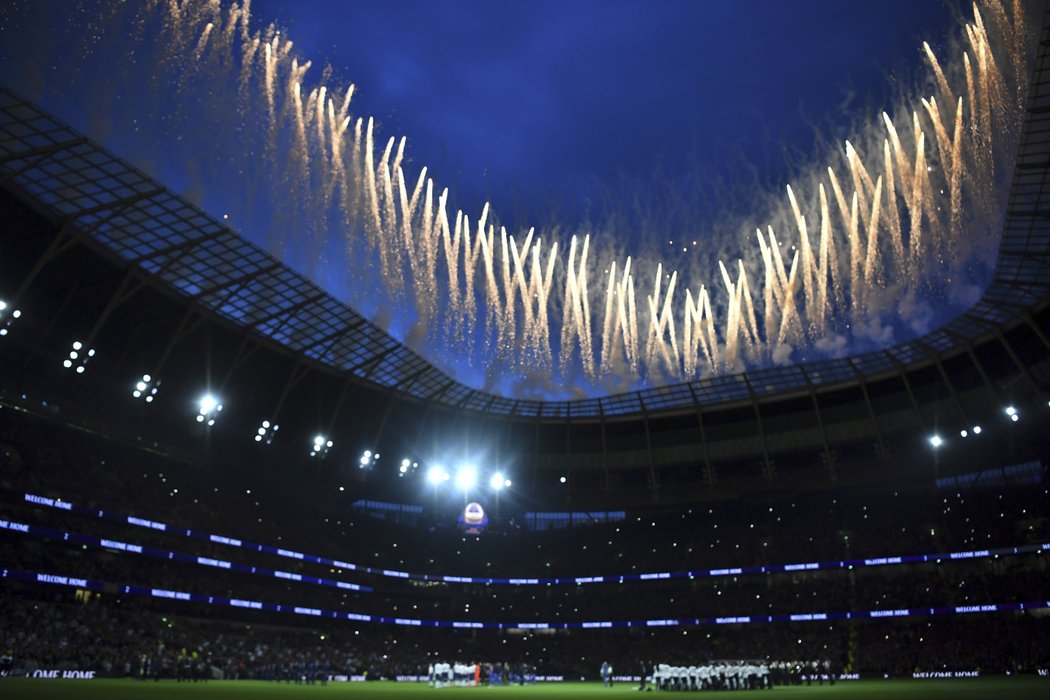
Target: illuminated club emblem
column 473, row 517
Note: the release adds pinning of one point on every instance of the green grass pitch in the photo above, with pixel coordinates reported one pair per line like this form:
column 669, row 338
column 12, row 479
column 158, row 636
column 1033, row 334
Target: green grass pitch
column 104, row 689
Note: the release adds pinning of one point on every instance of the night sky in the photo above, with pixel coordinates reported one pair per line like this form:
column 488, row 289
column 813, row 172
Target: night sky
column 548, row 110
column 536, row 105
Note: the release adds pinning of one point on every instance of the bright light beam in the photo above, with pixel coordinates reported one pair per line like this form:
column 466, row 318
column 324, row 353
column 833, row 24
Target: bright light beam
column 466, row 477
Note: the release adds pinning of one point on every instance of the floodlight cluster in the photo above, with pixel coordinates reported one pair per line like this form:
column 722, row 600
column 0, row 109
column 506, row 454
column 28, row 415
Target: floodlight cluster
column 1011, row 412
column 320, row 446
column 437, row 475
column 208, row 409
column 266, row 432
column 466, row 477
column 146, row 388
column 79, row 357
column 7, row 319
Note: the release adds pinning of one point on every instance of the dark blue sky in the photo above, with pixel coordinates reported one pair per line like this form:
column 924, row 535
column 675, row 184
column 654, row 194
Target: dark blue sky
column 531, row 104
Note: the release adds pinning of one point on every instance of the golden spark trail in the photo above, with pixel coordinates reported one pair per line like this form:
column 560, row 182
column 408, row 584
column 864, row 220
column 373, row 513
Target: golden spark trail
column 810, row 271
column 521, row 284
column 608, row 327
column 828, row 272
column 198, row 50
column 893, row 213
column 942, row 82
column 541, row 330
column 871, row 257
column 374, row 227
column 508, row 339
column 576, row 323
column 450, row 239
column 769, row 287
column 915, row 239
column 661, row 322
column 955, row 184
column 471, row 253
column 700, row 336
column 493, row 303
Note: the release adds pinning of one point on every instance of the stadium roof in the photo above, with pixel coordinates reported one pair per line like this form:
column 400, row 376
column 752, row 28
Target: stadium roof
column 91, row 192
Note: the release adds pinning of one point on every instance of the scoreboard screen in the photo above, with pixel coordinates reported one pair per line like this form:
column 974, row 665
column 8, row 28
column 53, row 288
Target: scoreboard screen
column 473, row 518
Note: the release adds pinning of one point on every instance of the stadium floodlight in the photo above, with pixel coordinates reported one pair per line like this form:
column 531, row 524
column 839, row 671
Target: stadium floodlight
column 146, row 388
column 497, row 481
column 963, row 433
column 78, row 358
column 7, row 319
column 466, row 477
column 266, row 432
column 208, row 409
column 208, row 403
column 936, row 441
column 321, row 446
column 436, row 475
column 976, row 430
column 562, row 480
column 1010, row 411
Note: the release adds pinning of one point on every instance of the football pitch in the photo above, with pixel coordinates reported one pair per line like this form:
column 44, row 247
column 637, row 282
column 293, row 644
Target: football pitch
column 106, row 689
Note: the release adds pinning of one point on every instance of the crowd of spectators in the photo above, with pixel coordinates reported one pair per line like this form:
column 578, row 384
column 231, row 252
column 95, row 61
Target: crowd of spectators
column 51, row 631
column 120, row 635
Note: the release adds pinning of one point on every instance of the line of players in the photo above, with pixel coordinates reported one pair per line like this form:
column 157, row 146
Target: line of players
column 445, row 675
column 741, row 675
column 721, row 675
